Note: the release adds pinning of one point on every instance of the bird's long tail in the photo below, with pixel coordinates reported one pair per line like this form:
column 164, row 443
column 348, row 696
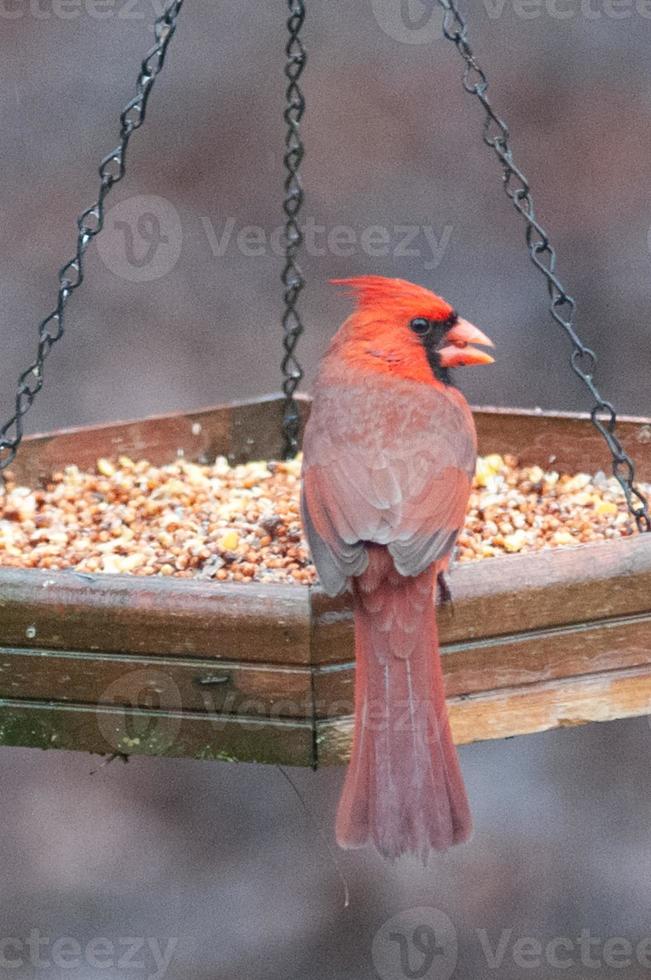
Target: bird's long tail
column 404, row 790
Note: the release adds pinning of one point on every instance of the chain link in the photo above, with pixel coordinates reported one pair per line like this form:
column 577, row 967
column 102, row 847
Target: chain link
column 89, row 224
column 562, row 307
column 292, row 276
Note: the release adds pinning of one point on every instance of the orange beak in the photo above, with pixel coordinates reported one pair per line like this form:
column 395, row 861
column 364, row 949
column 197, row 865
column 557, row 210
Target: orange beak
column 458, row 352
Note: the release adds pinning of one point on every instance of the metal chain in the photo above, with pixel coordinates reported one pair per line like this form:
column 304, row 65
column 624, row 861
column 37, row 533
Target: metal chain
column 89, row 224
column 292, row 277
column 562, row 306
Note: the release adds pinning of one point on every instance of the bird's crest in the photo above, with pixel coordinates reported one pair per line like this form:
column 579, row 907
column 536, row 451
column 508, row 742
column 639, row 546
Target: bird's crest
column 379, row 292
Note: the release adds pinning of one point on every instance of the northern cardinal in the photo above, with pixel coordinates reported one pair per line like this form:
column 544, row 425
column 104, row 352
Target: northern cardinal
column 389, row 454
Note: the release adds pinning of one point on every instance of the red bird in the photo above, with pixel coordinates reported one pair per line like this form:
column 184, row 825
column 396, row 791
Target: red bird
column 389, row 455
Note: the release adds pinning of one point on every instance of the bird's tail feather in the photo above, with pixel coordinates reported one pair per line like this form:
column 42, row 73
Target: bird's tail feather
column 404, row 790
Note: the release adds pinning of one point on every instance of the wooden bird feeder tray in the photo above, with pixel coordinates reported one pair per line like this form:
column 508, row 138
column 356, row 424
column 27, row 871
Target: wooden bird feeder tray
column 257, row 672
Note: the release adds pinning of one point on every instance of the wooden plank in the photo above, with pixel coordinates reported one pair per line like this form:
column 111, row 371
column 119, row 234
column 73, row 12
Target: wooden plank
column 522, row 711
column 270, row 692
column 245, row 623
column 264, row 690
column 271, row 624
column 241, row 431
column 564, row 441
column 546, row 705
column 516, row 594
column 107, row 730
column 157, row 616
column 252, row 429
column 548, row 655
column 482, row 666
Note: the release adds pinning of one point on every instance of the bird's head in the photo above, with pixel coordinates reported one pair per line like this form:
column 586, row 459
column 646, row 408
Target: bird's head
column 404, row 329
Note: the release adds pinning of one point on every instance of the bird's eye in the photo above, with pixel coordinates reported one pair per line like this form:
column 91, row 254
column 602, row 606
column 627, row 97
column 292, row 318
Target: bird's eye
column 420, row 325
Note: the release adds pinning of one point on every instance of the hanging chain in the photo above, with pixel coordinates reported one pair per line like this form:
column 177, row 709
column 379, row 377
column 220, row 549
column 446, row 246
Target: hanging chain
column 89, row 224
column 292, row 277
column 562, row 306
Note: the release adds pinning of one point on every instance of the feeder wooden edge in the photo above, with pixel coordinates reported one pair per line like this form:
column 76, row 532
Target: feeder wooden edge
column 592, row 595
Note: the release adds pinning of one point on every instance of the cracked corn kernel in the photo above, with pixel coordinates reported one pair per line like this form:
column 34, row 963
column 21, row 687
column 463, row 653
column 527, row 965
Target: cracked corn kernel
column 230, row 541
column 243, row 523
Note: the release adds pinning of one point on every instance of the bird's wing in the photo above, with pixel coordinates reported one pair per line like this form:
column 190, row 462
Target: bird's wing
column 391, row 467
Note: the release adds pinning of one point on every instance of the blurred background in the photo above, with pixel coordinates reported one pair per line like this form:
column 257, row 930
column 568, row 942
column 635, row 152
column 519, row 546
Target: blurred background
column 214, row 868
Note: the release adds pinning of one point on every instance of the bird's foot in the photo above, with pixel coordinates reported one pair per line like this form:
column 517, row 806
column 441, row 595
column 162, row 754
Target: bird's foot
column 443, row 590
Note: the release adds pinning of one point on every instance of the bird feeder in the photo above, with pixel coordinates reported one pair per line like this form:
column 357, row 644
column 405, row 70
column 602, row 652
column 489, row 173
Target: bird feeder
column 118, row 664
